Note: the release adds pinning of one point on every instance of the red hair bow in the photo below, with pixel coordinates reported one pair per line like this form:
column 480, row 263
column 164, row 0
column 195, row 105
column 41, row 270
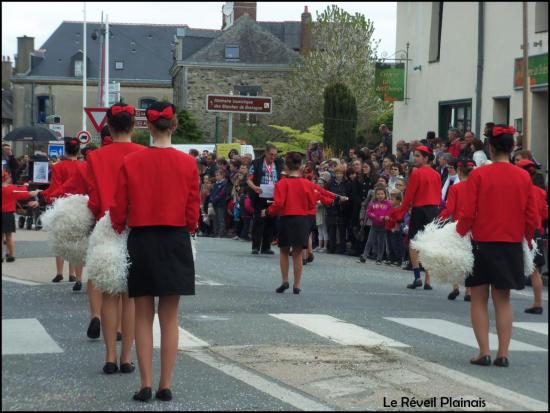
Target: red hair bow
column 467, row 163
column 115, row 110
column 153, row 115
column 74, row 141
column 499, row 130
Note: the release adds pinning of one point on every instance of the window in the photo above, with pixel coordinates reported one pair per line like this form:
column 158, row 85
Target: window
column 455, row 114
column 119, row 65
column 541, row 16
column 144, row 103
column 232, row 52
column 501, row 110
column 518, row 125
column 435, row 31
column 78, row 68
column 43, row 108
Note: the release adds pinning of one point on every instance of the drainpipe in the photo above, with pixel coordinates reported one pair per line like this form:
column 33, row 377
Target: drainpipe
column 480, row 53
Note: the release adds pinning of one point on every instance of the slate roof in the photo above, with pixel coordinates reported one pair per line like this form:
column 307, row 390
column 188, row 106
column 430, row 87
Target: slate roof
column 257, row 45
column 7, row 104
column 288, row 32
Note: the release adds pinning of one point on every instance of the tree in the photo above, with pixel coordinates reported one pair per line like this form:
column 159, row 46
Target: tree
column 188, row 130
column 297, row 140
column 141, row 136
column 340, row 117
column 344, row 50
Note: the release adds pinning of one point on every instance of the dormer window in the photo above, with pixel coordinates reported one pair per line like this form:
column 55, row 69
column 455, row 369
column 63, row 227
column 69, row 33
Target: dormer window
column 119, row 65
column 78, row 68
column 232, row 52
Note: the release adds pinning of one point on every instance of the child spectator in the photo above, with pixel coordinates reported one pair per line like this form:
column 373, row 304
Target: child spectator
column 321, row 222
column 205, row 224
column 337, row 214
column 377, row 211
column 393, row 231
column 395, row 173
column 218, row 198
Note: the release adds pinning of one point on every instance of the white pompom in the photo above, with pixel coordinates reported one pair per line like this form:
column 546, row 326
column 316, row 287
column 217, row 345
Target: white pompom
column 194, row 247
column 107, row 261
column 529, row 258
column 443, row 252
column 69, row 222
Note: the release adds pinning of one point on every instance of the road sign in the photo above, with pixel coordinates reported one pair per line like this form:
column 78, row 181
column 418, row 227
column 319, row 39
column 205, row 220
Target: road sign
column 239, row 104
column 84, row 137
column 141, row 119
column 98, row 117
column 58, row 129
column 57, row 150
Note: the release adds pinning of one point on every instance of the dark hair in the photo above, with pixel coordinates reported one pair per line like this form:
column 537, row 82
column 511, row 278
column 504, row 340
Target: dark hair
column 269, row 147
column 464, row 168
column 193, row 152
column 236, row 163
column 397, row 195
column 502, row 143
column 430, row 135
column 398, row 166
column 384, row 177
column 525, row 154
column 390, row 156
column 123, row 122
column 162, row 124
column 86, row 151
column 293, row 161
column 452, row 162
column 477, row 144
column 72, row 145
column 538, row 180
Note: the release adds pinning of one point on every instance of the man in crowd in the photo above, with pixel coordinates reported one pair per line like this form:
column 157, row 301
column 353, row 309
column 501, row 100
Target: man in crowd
column 264, row 173
column 386, row 136
column 454, row 142
column 211, row 166
column 467, row 150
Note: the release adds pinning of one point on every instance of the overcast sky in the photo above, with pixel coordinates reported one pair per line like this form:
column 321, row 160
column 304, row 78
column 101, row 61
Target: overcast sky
column 40, row 19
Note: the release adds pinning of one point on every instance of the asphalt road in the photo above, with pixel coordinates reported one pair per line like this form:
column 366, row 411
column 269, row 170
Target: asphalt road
column 258, row 350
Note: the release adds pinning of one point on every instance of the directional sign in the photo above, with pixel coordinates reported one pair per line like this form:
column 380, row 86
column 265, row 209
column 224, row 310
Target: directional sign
column 84, row 137
column 239, row 104
column 141, row 119
column 98, row 117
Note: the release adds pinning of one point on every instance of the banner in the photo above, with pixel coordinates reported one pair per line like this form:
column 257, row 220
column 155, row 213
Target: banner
column 538, row 71
column 389, row 81
column 223, row 149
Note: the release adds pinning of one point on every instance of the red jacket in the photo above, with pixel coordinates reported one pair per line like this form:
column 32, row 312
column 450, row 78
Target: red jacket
column 294, row 196
column 454, row 148
column 542, row 205
column 61, row 172
column 157, row 186
column 323, row 196
column 499, row 204
column 455, row 201
column 424, row 188
column 11, row 194
column 103, row 168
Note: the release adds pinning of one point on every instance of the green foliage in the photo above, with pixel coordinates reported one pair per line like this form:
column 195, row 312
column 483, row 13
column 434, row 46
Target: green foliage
column 344, row 51
column 188, row 130
column 340, row 117
column 141, row 136
column 370, row 135
column 291, row 139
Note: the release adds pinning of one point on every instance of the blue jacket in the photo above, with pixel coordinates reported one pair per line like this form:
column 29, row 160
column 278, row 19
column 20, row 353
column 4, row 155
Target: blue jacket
column 217, row 196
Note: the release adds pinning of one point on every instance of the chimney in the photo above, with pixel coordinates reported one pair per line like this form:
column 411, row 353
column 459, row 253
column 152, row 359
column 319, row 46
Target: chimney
column 7, row 72
column 244, row 7
column 305, row 34
column 25, row 46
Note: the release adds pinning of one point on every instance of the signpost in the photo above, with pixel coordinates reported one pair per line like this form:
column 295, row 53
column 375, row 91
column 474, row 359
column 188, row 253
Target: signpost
column 84, row 137
column 56, row 149
column 538, row 71
column 141, row 119
column 58, row 129
column 389, row 80
column 239, row 104
column 98, row 117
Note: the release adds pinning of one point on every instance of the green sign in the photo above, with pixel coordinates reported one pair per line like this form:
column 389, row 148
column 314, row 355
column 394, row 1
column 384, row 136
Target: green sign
column 389, row 80
column 538, row 71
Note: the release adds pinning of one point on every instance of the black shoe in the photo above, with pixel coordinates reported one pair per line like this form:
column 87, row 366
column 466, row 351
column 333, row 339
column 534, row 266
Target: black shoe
column 143, row 395
column 296, row 290
column 310, row 258
column 127, row 367
column 415, row 283
column 428, row 287
column 165, row 395
column 482, row 361
column 501, row 362
column 268, row 252
column 72, row 278
column 283, row 287
column 10, row 259
column 77, row 286
column 255, row 252
column 362, row 259
column 110, row 368
column 534, row 310
column 467, row 297
column 57, row 278
column 304, row 261
column 94, row 328
column 453, row 294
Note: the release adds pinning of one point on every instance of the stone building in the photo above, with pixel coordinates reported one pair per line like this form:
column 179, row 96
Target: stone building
column 7, row 96
column 247, row 58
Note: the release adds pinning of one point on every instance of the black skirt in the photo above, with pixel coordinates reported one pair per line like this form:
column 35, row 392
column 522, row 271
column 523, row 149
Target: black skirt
column 420, row 217
column 499, row 264
column 294, row 230
column 161, row 262
column 8, row 222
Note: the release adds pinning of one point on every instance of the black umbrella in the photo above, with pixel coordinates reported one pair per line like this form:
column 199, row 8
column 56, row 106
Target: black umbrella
column 32, row 134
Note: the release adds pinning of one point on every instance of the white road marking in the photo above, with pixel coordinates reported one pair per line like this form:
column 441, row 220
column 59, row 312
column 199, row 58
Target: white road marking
column 201, row 281
column 258, row 382
column 17, row 281
column 337, row 330
column 26, row 336
column 458, row 333
column 541, row 328
column 186, row 340
column 529, row 293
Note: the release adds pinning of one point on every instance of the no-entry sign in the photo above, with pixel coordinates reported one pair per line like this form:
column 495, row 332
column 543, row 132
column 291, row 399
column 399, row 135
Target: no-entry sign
column 84, row 137
column 239, row 104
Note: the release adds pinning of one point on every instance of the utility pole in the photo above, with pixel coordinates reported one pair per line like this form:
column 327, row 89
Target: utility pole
column 106, row 92
column 84, row 74
column 230, row 125
column 525, row 127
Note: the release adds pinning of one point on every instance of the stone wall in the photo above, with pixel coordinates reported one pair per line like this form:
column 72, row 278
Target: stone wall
column 201, row 82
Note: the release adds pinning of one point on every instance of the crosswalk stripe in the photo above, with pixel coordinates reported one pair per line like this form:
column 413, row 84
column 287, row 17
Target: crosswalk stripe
column 18, row 281
column 338, row 330
column 201, row 281
column 458, row 333
column 26, row 336
column 186, row 340
column 541, row 328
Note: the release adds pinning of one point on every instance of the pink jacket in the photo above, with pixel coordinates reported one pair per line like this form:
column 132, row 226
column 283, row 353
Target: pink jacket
column 378, row 210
